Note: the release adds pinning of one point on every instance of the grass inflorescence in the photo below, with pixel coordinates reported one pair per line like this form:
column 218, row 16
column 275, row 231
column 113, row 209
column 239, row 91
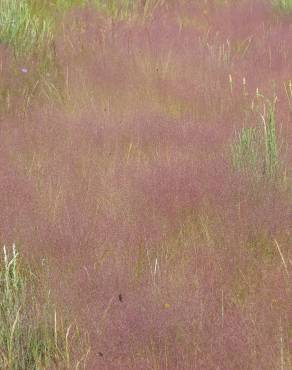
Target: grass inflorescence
column 147, row 180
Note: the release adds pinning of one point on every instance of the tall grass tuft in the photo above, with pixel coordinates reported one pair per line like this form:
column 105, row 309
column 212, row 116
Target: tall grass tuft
column 256, row 148
column 24, row 26
column 26, row 32
column 32, row 335
column 245, row 149
column 270, row 139
column 283, row 5
column 125, row 9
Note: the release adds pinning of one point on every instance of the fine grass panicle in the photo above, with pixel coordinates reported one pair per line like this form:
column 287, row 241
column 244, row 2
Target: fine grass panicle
column 142, row 226
column 32, row 335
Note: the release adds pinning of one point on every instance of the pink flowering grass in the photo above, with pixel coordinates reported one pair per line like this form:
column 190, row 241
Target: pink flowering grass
column 167, row 255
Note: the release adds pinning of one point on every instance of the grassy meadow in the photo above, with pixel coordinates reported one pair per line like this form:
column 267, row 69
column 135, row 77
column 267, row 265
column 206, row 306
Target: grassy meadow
column 145, row 185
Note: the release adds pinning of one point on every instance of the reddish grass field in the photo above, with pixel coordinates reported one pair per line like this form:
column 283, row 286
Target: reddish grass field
column 167, row 256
